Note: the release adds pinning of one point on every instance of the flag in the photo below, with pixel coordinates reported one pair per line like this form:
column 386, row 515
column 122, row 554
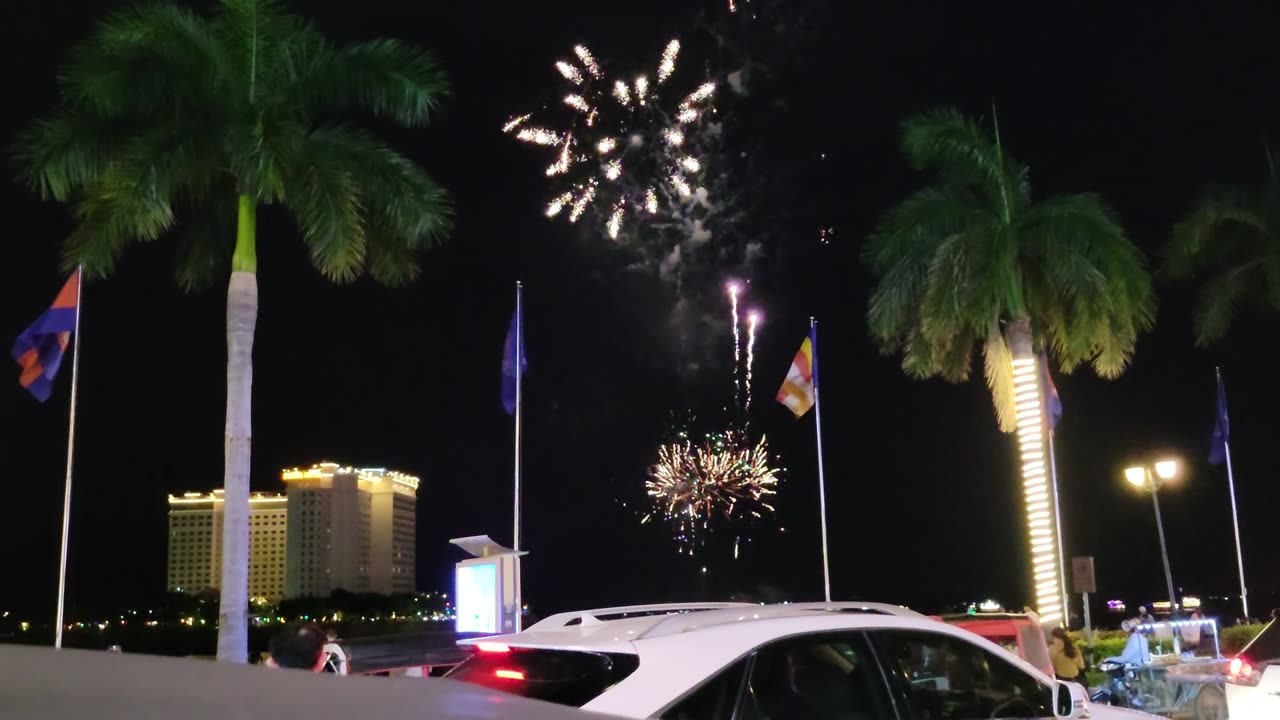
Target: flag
column 797, row 391
column 39, row 349
column 1221, row 429
column 510, row 363
column 1053, row 403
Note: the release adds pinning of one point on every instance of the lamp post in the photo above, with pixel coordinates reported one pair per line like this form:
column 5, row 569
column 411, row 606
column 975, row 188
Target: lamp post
column 1141, row 476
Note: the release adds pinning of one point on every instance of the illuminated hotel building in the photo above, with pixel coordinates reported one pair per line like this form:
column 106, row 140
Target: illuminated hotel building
column 352, row 529
column 195, row 543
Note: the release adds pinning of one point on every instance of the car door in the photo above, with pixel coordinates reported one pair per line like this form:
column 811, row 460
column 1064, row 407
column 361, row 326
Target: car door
column 937, row 676
column 814, row 676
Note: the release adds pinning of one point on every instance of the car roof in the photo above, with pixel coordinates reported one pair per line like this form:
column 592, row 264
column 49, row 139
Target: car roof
column 72, row 684
column 618, row 629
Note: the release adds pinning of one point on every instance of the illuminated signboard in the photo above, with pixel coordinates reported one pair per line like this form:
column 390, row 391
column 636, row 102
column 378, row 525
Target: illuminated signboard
column 477, row 595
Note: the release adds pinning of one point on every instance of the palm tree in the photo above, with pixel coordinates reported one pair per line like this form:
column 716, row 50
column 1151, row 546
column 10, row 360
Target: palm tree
column 1231, row 238
column 173, row 125
column 974, row 260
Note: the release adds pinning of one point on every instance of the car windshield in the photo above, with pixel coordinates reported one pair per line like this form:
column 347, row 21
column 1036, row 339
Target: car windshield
column 558, row 676
column 1266, row 646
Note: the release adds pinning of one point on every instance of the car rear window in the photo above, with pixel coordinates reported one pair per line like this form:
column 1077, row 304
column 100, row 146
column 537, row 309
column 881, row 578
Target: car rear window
column 1266, row 646
column 559, row 676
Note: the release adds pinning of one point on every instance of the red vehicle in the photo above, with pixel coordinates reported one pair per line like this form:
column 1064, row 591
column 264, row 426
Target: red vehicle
column 1018, row 634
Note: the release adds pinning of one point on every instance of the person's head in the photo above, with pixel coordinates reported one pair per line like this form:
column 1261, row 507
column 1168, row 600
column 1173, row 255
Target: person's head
column 1068, row 647
column 299, row 646
column 1142, row 610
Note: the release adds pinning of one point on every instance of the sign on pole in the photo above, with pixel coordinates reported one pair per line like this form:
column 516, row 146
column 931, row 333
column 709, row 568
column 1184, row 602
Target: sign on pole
column 1082, row 575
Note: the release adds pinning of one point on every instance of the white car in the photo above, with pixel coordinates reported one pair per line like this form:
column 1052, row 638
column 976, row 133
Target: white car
column 810, row 661
column 1253, row 687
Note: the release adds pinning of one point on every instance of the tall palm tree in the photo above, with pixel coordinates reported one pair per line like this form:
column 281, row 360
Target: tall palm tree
column 174, row 125
column 973, row 260
column 1231, row 238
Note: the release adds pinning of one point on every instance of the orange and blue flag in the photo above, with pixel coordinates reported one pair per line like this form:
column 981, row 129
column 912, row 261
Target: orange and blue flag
column 797, row 391
column 39, row 349
column 1053, row 402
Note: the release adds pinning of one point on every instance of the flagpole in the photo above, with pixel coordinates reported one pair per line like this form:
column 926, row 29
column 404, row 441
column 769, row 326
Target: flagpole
column 1057, row 521
column 519, row 358
column 71, row 444
column 1235, row 517
column 822, row 483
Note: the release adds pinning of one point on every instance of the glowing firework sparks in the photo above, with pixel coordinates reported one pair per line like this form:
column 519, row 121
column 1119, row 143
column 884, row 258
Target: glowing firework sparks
column 515, row 122
column 588, row 61
column 752, row 320
column 555, row 206
column 642, row 88
column 668, row 64
column 615, row 222
column 570, row 73
column 737, row 342
column 722, row 478
column 538, row 136
column 646, row 129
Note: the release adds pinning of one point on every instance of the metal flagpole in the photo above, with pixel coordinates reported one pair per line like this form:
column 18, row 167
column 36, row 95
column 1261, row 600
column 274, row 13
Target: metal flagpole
column 1057, row 521
column 71, row 444
column 822, row 483
column 1231, row 484
column 519, row 355
column 519, row 370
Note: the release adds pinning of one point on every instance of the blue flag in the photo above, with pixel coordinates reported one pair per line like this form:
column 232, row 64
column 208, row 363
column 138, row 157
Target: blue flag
column 511, row 364
column 1221, row 429
column 39, row 349
column 1053, row 403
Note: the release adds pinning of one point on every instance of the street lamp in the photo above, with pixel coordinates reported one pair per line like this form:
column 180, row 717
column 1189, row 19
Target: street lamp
column 1142, row 476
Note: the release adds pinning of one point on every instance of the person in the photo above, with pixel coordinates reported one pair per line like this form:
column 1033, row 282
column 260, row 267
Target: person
column 299, row 646
column 1068, row 661
column 1144, row 617
column 1136, row 651
column 1191, row 631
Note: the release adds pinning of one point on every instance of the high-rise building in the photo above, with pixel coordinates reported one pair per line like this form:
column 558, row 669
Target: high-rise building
column 350, row 528
column 195, row 543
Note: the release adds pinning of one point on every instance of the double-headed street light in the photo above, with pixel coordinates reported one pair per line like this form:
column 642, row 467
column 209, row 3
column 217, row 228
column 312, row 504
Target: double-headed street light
column 1143, row 477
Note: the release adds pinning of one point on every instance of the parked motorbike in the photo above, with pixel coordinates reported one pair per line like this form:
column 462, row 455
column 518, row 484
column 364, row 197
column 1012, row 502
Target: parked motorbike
column 1123, row 689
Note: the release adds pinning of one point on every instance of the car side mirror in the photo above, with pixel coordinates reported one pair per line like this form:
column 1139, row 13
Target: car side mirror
column 1068, row 700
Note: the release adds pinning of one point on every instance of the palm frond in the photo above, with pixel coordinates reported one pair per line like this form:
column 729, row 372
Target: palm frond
column 961, row 152
column 387, row 78
column 326, row 201
column 140, row 60
column 997, row 365
column 1223, row 222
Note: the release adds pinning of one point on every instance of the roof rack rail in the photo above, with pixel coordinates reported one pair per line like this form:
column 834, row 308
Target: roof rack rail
column 600, row 615
column 683, row 623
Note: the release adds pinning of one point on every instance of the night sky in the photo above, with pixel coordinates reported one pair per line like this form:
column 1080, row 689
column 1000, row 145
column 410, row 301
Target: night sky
column 1144, row 105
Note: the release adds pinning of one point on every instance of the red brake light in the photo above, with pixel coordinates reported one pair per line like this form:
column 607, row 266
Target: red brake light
column 509, row 674
column 1242, row 672
column 492, row 647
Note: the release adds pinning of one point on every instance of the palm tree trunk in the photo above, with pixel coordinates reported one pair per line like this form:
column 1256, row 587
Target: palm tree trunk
column 242, row 316
column 1032, row 448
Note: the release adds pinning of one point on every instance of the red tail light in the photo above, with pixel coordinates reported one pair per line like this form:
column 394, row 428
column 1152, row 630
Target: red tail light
column 1242, row 673
column 492, row 647
column 508, row 674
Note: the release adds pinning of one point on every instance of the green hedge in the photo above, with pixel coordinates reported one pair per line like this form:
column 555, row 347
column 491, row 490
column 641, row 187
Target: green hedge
column 1110, row 643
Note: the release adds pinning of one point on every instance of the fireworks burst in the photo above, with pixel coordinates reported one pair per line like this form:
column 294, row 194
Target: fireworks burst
column 623, row 148
column 737, row 342
column 752, row 320
column 722, row 478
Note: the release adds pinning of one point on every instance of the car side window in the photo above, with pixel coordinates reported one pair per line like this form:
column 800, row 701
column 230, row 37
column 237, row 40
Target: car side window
column 715, row 699
column 943, row 677
column 816, row 677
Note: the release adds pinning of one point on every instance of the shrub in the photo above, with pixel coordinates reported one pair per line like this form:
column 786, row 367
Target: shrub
column 1235, row 638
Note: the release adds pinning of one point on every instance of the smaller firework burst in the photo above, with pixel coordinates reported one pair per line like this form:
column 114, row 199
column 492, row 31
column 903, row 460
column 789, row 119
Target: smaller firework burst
column 723, row 478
